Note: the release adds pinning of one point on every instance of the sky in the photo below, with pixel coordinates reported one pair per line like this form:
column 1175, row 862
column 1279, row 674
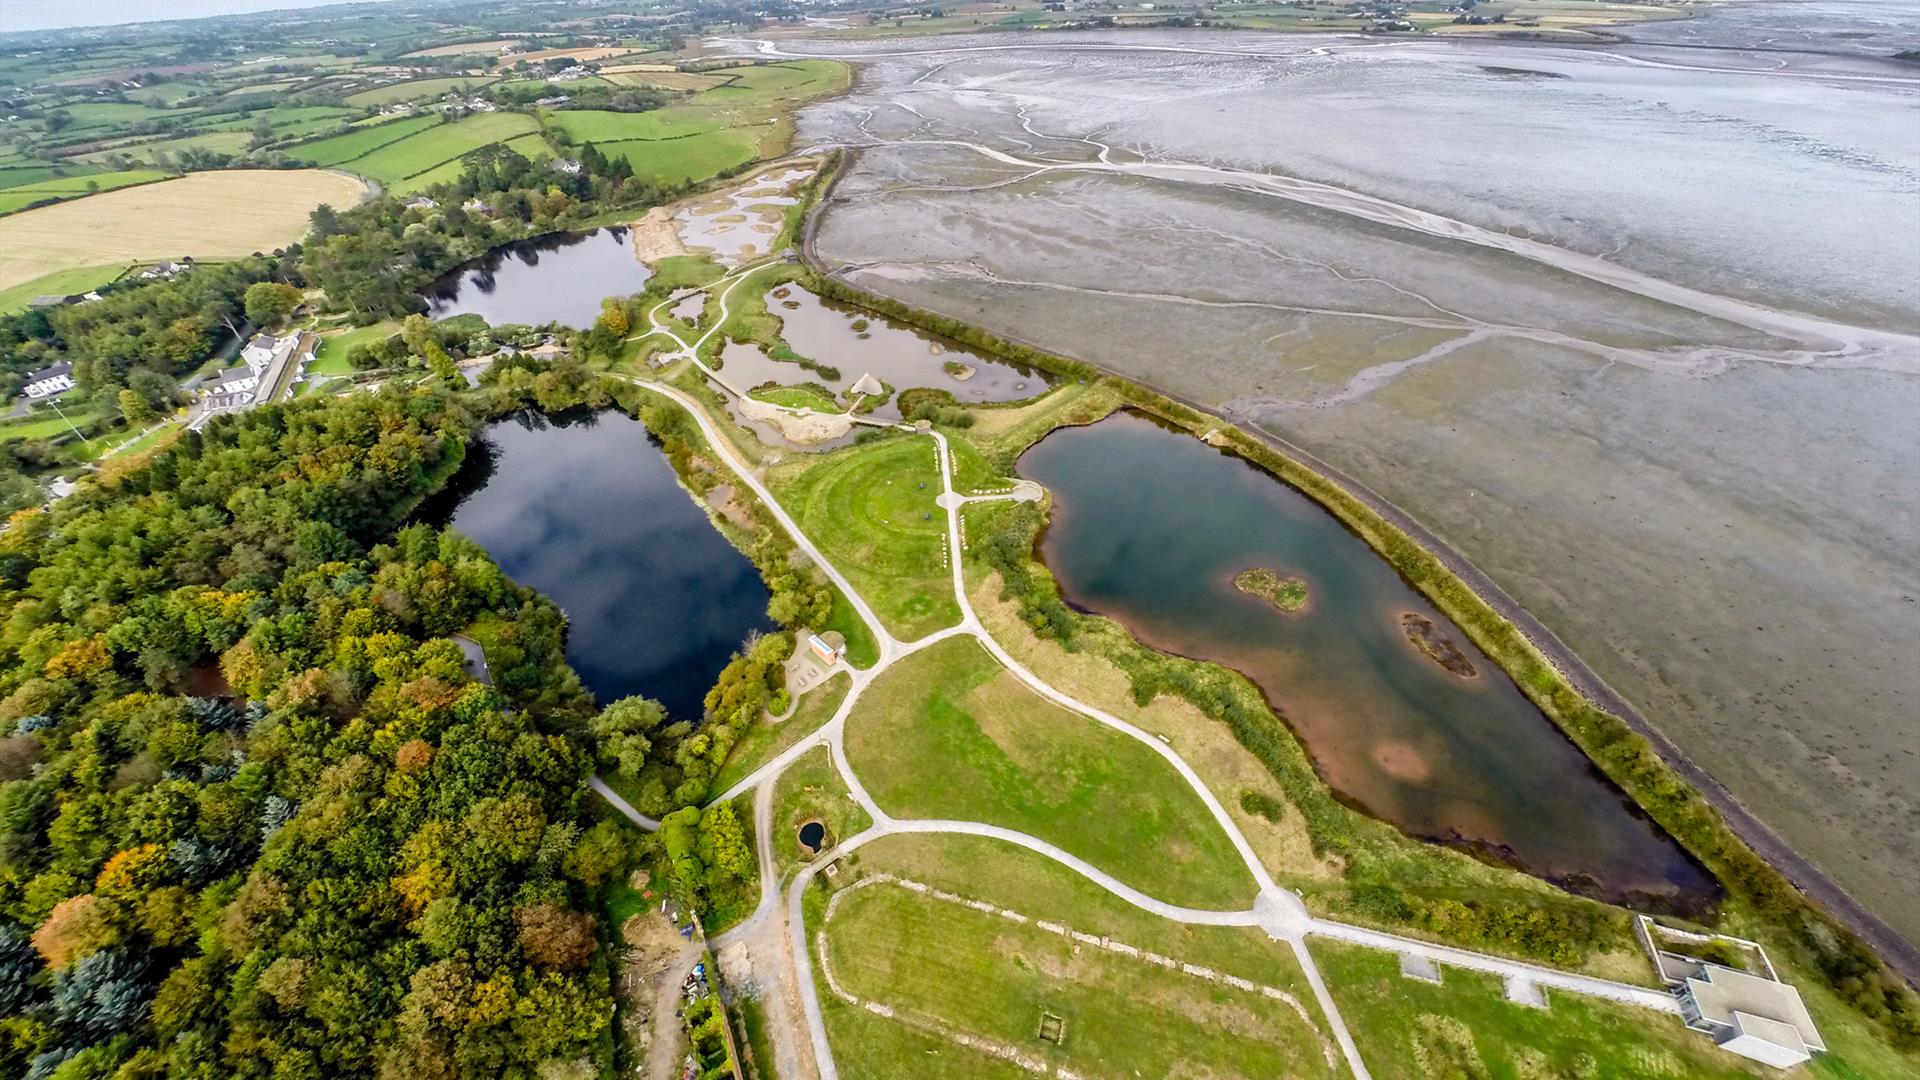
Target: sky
column 53, row 14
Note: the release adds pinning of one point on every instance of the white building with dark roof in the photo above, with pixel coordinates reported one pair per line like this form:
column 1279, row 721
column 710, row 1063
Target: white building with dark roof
column 49, row 382
column 233, row 381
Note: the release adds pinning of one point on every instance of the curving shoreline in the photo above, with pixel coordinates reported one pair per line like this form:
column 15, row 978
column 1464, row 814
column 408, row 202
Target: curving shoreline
column 1800, row 872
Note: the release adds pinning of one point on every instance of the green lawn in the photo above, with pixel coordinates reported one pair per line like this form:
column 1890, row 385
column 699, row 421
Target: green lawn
column 811, row 788
column 987, row 976
column 79, row 279
column 1411, row 1030
column 45, row 424
column 532, row 146
column 766, row 739
column 797, row 397
column 949, row 733
column 343, row 148
column 331, row 359
column 871, row 510
column 434, row 146
column 768, row 83
column 862, row 650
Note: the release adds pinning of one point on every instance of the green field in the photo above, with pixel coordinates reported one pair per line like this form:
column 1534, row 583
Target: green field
column 766, row 739
column 982, row 974
column 439, row 144
column 533, row 146
column 689, row 160
column 414, row 90
column 871, row 510
column 788, row 81
column 1006, row 756
column 588, row 125
column 342, row 148
column 862, row 650
column 73, row 187
column 811, row 788
column 1410, row 1030
column 331, row 358
column 27, row 174
column 59, row 283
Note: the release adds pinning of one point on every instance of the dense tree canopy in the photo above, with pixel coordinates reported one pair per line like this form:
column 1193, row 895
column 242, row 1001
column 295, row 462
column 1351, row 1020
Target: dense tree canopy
column 256, row 818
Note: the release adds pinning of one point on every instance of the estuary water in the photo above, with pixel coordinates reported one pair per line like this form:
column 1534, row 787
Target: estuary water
column 1636, row 328
column 1151, row 526
column 587, row 510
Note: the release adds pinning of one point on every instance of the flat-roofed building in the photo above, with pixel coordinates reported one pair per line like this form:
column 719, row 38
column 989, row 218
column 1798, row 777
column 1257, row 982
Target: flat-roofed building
column 1749, row 1015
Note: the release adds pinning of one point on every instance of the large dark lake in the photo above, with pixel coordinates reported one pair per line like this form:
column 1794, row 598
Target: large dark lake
column 558, row 278
column 1150, row 527
column 588, row 511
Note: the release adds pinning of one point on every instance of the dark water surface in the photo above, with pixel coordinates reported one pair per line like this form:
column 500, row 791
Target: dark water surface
column 558, row 278
column 589, row 512
column 1149, row 527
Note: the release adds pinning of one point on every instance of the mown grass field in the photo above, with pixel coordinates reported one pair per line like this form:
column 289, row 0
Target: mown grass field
column 223, row 214
column 532, row 146
column 765, row 739
column 949, row 733
column 811, row 788
column 343, row 148
column 14, row 199
column 987, row 976
column 797, row 397
column 689, row 160
column 1412, row 1030
column 439, row 144
column 871, row 510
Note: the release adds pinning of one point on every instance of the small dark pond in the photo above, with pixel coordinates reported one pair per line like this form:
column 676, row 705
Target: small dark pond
column 558, row 278
column 587, row 510
column 1150, row 527
column 813, row 835
column 900, row 356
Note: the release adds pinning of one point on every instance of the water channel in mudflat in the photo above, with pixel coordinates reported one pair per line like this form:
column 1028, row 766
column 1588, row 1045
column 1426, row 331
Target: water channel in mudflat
column 1150, row 527
column 557, row 278
column 586, row 509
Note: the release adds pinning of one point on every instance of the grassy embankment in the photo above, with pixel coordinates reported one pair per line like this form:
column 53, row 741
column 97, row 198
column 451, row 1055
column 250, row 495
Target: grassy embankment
column 1006, row 756
column 1864, row 1006
column 809, row 789
column 767, row 739
column 871, row 510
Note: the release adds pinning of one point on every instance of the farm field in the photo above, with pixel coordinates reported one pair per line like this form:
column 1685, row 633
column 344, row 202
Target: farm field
column 437, row 145
column 594, row 126
column 341, row 148
column 205, row 215
column 466, row 47
column 1009, row 757
column 871, row 509
column 413, row 90
column 533, row 146
column 940, row 964
column 13, row 199
column 686, row 161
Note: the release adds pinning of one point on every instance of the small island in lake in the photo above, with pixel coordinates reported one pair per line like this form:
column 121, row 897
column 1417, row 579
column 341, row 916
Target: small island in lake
column 1433, row 641
column 1287, row 594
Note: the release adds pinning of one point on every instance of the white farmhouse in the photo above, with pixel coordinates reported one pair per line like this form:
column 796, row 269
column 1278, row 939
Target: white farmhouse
column 49, row 382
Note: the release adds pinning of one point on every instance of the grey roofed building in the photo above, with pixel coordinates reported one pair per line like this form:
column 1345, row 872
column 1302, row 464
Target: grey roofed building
column 1749, row 1015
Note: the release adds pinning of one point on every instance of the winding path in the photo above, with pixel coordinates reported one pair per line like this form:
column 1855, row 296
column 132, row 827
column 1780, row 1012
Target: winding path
column 780, row 929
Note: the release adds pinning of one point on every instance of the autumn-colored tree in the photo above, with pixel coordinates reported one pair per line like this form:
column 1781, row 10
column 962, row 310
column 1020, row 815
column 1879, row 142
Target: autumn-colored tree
column 553, row 937
column 78, row 926
column 79, row 658
column 413, row 756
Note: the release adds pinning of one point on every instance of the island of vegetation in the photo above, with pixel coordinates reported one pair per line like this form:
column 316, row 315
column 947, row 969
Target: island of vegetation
column 1435, row 645
column 1288, row 595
